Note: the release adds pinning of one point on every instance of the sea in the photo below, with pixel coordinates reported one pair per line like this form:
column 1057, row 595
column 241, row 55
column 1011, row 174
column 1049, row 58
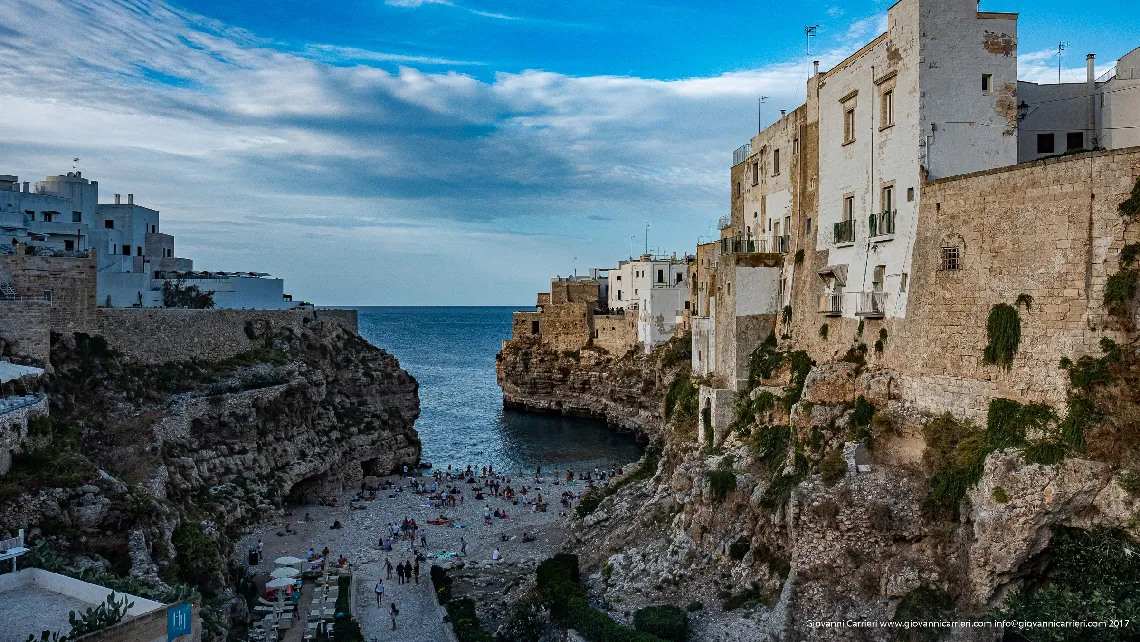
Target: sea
column 451, row 352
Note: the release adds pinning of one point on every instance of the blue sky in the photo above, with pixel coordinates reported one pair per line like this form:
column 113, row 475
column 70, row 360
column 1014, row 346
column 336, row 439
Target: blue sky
column 434, row 151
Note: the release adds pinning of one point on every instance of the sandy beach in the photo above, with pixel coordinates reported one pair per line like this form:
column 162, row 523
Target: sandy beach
column 421, row 617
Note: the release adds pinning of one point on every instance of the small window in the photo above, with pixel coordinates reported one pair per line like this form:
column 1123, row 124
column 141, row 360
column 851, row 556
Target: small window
column 888, row 198
column 680, row 277
column 902, row 282
column 888, row 115
column 755, row 173
column 910, row 195
column 775, row 162
column 807, row 225
column 619, row 277
column 619, row 295
column 660, row 276
column 139, row 251
column 738, row 189
column 796, row 147
column 47, row 295
column 849, row 126
column 1044, row 143
column 114, row 248
column 1075, row 140
column 77, row 217
column 69, row 245
column 126, row 250
column 848, row 208
column 153, row 229
column 686, row 305
column 109, row 224
column 534, row 327
column 949, row 259
column 987, row 82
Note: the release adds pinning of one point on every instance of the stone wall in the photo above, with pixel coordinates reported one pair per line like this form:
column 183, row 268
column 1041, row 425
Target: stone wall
column 523, row 325
column 160, row 335
column 25, row 329
column 574, row 291
column 71, row 282
column 14, row 428
column 1050, row 229
column 566, row 326
column 615, row 333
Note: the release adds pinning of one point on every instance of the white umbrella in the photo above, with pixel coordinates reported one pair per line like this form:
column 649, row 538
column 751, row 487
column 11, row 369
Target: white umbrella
column 287, row 561
column 281, row 582
column 285, row 571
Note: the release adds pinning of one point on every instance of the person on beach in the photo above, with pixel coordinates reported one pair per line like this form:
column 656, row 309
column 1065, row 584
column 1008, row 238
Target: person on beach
column 395, row 612
column 260, row 548
column 400, row 572
column 496, row 556
column 416, row 570
column 379, row 591
column 388, row 565
column 462, row 547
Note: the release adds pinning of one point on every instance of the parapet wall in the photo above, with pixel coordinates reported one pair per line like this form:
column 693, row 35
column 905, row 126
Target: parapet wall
column 160, row 335
column 25, row 329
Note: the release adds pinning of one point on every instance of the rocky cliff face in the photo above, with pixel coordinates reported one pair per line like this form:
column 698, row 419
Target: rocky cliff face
column 139, row 463
column 627, row 392
column 830, row 500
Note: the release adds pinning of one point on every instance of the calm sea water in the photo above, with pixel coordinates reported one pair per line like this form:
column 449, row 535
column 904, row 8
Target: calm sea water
column 451, row 351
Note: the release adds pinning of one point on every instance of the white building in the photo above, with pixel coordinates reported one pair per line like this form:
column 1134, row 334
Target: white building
column 657, row 289
column 1065, row 117
column 935, row 96
column 134, row 258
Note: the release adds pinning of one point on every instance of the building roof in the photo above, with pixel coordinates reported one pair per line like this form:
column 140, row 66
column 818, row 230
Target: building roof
column 10, row 371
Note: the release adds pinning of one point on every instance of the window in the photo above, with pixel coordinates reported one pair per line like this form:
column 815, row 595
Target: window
column 139, row 251
column 807, row 225
column 1044, row 143
column 849, row 126
column 109, row 224
column 77, row 217
column 47, row 295
column 153, row 229
column 48, row 216
column 114, row 248
column 738, row 189
column 660, row 276
column 902, row 282
column 848, row 208
column 755, row 173
column 619, row 277
column 888, row 115
column 879, row 277
column 796, row 147
column 987, row 82
column 69, row 245
column 534, row 327
column 169, row 253
column 686, row 305
column 949, row 259
column 748, row 230
column 888, row 198
column 910, row 195
column 775, row 162
column 619, row 295
column 680, row 277
column 1075, row 140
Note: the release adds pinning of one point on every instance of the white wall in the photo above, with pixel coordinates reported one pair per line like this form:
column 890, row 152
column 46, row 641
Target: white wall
column 1120, row 104
column 1052, row 109
column 662, row 310
column 92, row 594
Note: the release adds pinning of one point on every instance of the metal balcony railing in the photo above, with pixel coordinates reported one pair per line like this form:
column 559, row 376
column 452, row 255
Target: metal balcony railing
column 724, row 223
column 883, row 223
column 845, row 231
column 872, row 305
column 741, row 245
column 741, row 153
column 781, row 244
column 831, row 304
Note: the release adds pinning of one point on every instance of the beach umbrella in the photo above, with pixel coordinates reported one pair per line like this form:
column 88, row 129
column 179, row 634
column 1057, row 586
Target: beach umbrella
column 280, row 582
column 285, row 571
column 287, row 561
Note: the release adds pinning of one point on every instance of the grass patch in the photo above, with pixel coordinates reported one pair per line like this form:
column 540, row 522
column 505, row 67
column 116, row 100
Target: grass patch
column 1000, row 496
column 721, row 483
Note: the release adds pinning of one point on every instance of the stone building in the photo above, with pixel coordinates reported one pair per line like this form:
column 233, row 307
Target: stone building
column 1100, row 113
column 569, row 318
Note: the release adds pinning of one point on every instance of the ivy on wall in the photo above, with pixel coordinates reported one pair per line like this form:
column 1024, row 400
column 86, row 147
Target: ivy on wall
column 1003, row 333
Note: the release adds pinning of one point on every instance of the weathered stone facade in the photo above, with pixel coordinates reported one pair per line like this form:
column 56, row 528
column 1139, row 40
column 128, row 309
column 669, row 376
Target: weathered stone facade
column 149, row 335
column 68, row 282
column 567, row 319
column 25, row 330
column 14, row 428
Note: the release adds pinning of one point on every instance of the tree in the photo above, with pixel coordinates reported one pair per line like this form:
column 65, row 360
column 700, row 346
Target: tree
column 176, row 294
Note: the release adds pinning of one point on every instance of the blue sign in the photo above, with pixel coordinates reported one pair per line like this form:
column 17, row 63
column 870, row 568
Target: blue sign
column 177, row 621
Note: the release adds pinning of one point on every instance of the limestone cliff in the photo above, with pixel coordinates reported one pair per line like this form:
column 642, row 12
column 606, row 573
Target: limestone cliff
column 830, row 499
column 627, row 392
column 142, row 468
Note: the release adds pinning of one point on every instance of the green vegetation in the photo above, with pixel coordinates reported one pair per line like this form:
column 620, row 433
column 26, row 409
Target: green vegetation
column 1131, row 206
column 923, row 604
column 442, row 583
column 1129, row 254
column 1000, row 496
column 1119, row 290
column 465, row 622
column 345, row 628
column 881, row 343
column 681, row 399
column 721, row 483
column 764, row 361
column 665, row 621
column 1003, row 331
column 649, row 462
column 1091, row 576
column 786, row 315
column 750, row 596
column 1024, row 299
column 560, row 590
column 197, row 559
column 1129, row 481
column 678, row 349
column 693, row 607
column 833, row 467
column 823, row 329
column 176, row 294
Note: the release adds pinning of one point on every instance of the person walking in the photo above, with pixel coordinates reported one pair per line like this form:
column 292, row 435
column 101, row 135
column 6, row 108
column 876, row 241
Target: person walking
column 379, row 591
column 400, row 572
column 260, row 549
column 388, row 565
column 395, row 612
column 462, row 547
column 416, row 571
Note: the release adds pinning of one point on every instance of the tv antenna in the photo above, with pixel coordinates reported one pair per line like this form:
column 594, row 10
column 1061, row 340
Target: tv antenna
column 1061, row 46
column 760, row 114
column 809, row 33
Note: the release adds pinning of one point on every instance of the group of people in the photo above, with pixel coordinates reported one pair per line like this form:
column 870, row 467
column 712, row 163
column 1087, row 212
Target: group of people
column 405, row 571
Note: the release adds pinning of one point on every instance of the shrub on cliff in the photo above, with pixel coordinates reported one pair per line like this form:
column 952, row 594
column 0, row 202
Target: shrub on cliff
column 721, row 483
column 833, row 467
column 560, row 590
column 465, row 622
column 666, row 621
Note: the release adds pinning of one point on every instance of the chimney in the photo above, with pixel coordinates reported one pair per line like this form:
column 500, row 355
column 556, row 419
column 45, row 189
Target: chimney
column 783, row 112
column 1090, row 62
column 816, row 62
column 116, row 199
column 130, row 199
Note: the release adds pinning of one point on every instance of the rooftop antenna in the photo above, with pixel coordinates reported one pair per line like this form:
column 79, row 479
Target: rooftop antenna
column 575, row 267
column 809, row 33
column 647, row 237
column 632, row 236
column 760, row 114
column 74, row 164
column 1061, row 46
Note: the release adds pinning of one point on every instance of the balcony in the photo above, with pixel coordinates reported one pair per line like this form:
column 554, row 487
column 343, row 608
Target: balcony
column 781, row 244
column 740, row 245
column 724, row 223
column 872, row 305
column 831, row 305
column 883, row 224
column 741, row 153
column 844, row 232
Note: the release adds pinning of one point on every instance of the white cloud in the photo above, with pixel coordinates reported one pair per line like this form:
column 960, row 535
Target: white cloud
column 1041, row 67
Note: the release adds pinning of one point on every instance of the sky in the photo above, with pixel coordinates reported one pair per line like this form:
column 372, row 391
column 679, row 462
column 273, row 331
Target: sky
column 436, row 152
